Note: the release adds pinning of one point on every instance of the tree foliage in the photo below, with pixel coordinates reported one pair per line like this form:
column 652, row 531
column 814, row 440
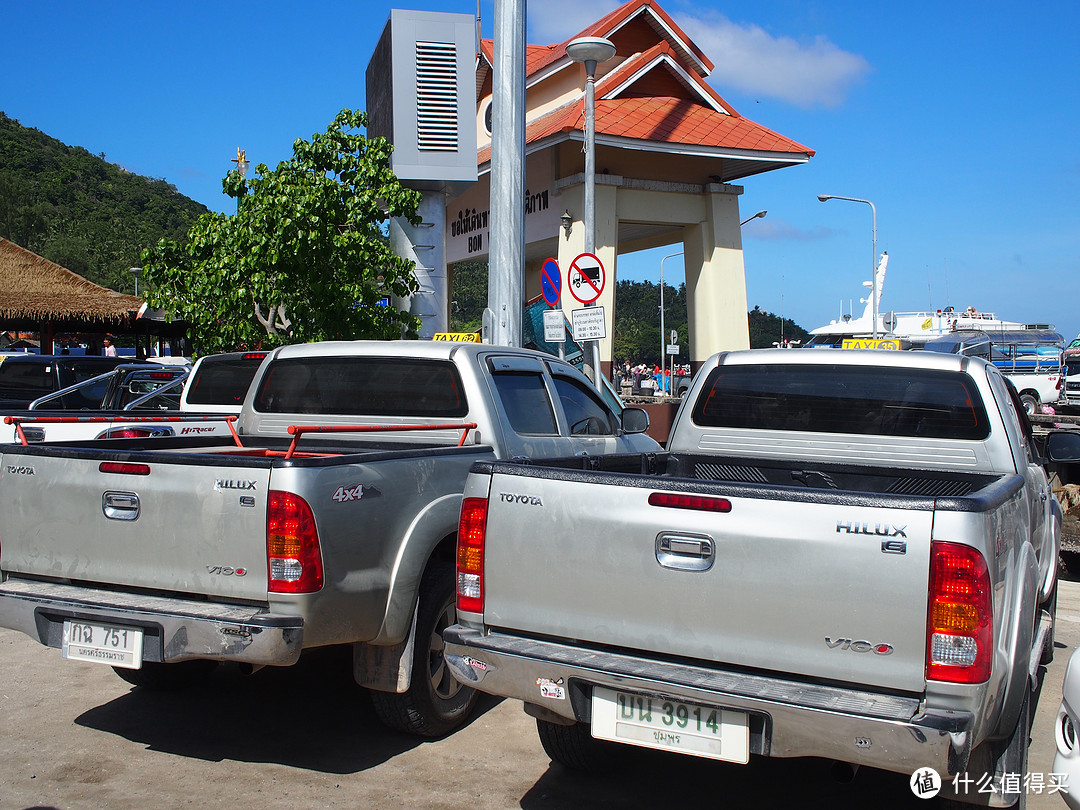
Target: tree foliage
column 78, row 210
column 305, row 257
column 767, row 329
column 468, row 297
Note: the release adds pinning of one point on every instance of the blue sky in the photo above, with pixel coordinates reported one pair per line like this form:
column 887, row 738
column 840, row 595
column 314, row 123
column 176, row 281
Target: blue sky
column 958, row 120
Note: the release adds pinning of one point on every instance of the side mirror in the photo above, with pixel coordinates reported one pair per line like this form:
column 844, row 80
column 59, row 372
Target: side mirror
column 1063, row 446
column 634, row 420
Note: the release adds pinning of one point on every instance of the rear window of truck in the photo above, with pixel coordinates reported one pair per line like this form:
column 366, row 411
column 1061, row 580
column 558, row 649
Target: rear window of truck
column 224, row 380
column 362, row 386
column 843, row 399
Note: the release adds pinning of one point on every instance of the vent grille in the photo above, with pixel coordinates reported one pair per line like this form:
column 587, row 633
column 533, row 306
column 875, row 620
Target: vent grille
column 729, row 472
column 436, row 97
column 929, row 487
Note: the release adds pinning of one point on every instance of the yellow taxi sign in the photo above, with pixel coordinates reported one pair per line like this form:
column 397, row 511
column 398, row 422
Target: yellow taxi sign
column 892, row 344
column 458, row 337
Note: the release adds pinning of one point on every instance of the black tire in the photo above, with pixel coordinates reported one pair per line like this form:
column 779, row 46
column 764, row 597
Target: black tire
column 1051, row 606
column 1010, row 756
column 574, row 747
column 435, row 704
column 1030, row 403
column 159, row 677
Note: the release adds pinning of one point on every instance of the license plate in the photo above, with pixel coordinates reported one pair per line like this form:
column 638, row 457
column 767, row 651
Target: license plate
column 671, row 725
column 103, row 644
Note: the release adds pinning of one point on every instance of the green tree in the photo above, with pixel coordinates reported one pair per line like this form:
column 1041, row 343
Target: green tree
column 766, row 329
column 304, row 258
column 468, row 296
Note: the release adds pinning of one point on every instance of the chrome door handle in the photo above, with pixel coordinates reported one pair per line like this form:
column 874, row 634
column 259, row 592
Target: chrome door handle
column 685, row 552
column 120, row 505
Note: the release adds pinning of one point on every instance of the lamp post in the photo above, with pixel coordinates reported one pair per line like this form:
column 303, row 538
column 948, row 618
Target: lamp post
column 663, row 351
column 136, row 271
column 242, row 164
column 873, row 258
column 758, row 215
column 591, row 51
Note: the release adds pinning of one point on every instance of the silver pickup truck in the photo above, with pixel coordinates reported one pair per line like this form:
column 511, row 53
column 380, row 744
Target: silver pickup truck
column 849, row 555
column 331, row 520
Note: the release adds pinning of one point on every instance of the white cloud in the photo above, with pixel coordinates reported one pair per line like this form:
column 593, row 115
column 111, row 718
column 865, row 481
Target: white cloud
column 806, row 72
column 554, row 21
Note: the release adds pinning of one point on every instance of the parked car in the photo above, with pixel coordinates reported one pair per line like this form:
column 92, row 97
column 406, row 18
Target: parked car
column 26, row 377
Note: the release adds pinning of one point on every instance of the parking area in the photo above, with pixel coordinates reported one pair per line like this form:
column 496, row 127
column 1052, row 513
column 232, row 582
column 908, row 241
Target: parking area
column 74, row 735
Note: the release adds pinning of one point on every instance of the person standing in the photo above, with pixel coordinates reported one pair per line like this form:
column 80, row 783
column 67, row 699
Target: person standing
column 110, row 350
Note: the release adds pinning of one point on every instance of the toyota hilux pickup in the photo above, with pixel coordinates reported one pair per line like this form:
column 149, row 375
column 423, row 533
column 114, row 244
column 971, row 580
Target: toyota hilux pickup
column 847, row 555
column 330, row 518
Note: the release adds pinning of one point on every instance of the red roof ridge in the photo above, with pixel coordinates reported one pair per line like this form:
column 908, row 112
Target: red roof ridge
column 539, row 57
column 652, row 58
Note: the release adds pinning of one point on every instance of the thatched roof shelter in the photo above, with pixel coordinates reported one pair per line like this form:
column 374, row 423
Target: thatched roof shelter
column 34, row 290
column 41, row 296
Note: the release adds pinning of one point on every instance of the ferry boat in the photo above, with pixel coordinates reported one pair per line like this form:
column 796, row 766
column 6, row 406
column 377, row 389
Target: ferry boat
column 913, row 329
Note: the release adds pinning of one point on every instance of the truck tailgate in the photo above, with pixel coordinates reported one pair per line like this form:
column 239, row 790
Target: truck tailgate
column 833, row 582
column 154, row 524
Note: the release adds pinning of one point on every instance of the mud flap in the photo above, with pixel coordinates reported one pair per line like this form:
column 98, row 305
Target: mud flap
column 386, row 669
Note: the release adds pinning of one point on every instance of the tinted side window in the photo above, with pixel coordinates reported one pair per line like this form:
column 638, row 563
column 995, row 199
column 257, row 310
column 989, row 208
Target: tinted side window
column 525, row 401
column 843, row 399
column 584, row 413
column 222, row 382
column 362, row 386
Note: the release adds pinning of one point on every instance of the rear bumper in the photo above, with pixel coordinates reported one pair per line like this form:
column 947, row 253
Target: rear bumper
column 787, row 718
column 174, row 629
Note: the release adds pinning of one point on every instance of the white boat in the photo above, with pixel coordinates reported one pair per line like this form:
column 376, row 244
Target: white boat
column 913, row 328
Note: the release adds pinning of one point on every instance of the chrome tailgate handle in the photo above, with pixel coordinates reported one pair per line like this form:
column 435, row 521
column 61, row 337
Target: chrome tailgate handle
column 120, row 505
column 685, row 552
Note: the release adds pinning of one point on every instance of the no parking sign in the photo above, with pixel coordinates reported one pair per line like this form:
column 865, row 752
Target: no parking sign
column 551, row 282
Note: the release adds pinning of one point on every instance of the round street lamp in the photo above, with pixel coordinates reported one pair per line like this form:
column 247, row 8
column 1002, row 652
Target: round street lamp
column 591, row 51
column 136, row 271
column 873, row 257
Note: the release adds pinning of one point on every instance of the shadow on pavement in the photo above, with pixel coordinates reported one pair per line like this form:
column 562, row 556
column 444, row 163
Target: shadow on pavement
column 311, row 715
column 656, row 779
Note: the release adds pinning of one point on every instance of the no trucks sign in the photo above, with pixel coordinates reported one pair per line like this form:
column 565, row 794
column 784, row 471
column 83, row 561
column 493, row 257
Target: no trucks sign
column 586, row 278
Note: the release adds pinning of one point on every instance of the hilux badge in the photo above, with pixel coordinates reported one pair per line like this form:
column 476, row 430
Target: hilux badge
column 232, row 484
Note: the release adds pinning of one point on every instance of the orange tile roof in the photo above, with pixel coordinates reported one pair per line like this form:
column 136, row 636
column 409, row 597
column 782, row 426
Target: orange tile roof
column 664, row 120
column 688, row 120
column 538, row 57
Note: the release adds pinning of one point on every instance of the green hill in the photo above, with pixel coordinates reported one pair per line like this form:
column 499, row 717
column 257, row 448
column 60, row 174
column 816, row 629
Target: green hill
column 80, row 211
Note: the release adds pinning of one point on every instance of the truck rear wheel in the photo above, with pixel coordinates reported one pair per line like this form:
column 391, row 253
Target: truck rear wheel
column 435, row 704
column 1004, row 757
column 159, row 677
column 1030, row 403
column 574, row 746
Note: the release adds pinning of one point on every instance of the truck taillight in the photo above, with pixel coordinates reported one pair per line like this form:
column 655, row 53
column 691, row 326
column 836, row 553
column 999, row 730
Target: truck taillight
column 959, row 624
column 292, row 545
column 470, row 555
